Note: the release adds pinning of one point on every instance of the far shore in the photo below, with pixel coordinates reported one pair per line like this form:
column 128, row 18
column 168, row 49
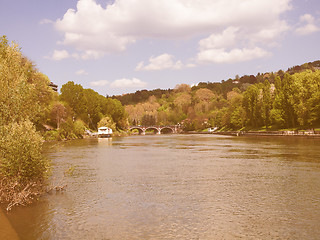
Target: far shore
column 296, row 133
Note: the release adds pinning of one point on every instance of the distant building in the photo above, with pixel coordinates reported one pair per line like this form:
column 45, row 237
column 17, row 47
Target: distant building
column 53, row 86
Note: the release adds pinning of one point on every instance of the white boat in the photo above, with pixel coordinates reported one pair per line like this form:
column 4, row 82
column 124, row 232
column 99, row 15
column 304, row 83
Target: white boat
column 104, row 132
column 213, row 129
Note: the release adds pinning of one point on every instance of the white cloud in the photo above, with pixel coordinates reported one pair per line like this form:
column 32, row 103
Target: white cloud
column 59, row 55
column 308, row 25
column 225, row 39
column 100, row 83
column 94, row 30
column 81, row 72
column 164, row 61
column 46, row 21
column 235, row 55
column 128, row 83
column 231, row 46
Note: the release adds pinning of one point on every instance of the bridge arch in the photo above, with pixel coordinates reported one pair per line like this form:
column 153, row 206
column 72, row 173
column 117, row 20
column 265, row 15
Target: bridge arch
column 155, row 129
column 166, row 130
column 141, row 131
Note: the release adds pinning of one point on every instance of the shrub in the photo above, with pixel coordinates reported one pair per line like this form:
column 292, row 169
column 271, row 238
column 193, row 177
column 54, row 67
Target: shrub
column 21, row 153
column 79, row 128
column 52, row 135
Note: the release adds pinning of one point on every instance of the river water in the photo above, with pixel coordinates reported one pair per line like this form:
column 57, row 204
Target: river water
column 179, row 187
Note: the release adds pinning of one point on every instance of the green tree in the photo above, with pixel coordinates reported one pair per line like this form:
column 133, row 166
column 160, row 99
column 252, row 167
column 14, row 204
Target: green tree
column 116, row 111
column 305, row 97
column 251, row 104
column 25, row 93
column 107, row 122
column 266, row 103
column 235, row 112
column 73, row 95
column 283, row 113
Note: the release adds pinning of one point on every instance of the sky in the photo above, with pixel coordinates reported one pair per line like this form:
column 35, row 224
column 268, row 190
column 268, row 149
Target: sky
column 121, row 46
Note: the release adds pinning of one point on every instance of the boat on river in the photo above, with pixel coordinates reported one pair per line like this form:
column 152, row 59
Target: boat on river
column 104, row 132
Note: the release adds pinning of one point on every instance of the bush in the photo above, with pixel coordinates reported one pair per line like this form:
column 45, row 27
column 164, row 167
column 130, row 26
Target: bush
column 79, row 128
column 21, row 153
column 52, row 135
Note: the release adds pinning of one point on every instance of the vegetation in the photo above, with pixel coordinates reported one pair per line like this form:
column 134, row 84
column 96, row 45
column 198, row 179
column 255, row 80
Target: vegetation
column 24, row 99
column 90, row 107
column 29, row 107
column 267, row 101
column 31, row 110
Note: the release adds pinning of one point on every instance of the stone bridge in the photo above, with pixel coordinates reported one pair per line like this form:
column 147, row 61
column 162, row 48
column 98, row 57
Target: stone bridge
column 157, row 129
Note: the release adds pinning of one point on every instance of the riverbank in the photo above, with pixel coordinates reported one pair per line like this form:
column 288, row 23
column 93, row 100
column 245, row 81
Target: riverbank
column 296, row 133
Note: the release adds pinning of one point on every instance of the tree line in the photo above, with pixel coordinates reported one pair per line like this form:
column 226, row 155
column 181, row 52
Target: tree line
column 277, row 101
column 222, row 87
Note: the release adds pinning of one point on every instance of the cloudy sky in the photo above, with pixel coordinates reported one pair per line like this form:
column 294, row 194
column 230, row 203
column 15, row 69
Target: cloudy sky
column 120, row 46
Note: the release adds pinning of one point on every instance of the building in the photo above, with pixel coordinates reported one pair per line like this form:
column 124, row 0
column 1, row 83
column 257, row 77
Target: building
column 53, row 86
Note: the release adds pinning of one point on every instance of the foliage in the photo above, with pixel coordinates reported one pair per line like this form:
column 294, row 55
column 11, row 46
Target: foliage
column 268, row 101
column 90, row 107
column 25, row 93
column 24, row 100
column 68, row 130
column 52, row 135
column 79, row 128
column 148, row 120
column 58, row 113
column 107, row 122
column 20, row 152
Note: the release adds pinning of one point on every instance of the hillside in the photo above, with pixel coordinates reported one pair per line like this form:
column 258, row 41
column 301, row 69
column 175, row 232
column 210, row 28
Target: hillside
column 222, row 87
column 274, row 100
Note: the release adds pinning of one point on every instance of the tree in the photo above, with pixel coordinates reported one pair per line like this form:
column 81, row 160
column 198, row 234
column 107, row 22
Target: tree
column 283, row 113
column 73, row 95
column 94, row 104
column 25, row 93
column 114, row 109
column 182, row 88
column 252, row 106
column 58, row 113
column 107, row 122
column 204, row 94
column 305, row 98
column 182, row 101
column 266, row 102
column 148, row 120
column 235, row 112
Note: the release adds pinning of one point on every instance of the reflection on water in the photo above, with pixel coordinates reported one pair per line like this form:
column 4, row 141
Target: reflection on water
column 180, row 187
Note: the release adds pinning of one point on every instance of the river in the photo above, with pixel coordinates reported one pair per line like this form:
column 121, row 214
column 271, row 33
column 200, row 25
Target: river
column 179, row 187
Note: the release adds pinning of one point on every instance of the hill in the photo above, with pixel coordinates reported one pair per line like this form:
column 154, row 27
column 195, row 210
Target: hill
column 222, row 87
column 272, row 100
